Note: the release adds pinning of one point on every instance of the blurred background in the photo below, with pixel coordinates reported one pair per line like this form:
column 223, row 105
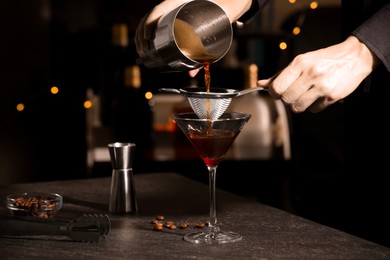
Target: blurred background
column 70, row 84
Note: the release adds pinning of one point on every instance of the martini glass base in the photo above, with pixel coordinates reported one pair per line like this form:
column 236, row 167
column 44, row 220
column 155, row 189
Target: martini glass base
column 213, row 237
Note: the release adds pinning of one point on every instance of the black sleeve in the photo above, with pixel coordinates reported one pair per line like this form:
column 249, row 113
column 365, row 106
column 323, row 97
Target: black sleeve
column 254, row 9
column 375, row 33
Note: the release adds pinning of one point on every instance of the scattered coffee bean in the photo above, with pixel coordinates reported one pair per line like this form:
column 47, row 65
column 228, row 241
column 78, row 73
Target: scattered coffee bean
column 200, row 225
column 159, row 226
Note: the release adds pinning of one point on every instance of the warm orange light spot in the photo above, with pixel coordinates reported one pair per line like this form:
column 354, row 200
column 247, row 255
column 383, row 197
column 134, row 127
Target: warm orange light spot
column 283, row 45
column 314, row 5
column 54, row 90
column 148, row 95
column 296, row 30
column 20, row 107
column 87, row 104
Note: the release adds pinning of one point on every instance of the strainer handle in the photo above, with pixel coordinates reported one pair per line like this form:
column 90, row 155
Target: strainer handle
column 249, row 90
column 170, row 90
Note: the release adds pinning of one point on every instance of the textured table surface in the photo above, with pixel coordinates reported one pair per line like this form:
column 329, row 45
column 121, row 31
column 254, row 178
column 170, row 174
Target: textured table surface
column 268, row 233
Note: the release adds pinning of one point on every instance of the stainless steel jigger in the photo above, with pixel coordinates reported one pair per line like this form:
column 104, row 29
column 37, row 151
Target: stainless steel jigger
column 122, row 196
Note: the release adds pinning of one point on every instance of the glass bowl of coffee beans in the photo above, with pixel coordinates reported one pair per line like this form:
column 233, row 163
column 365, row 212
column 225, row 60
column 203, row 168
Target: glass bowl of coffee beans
column 36, row 204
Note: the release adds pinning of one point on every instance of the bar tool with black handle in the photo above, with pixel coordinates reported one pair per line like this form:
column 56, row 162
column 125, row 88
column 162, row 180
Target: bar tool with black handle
column 86, row 228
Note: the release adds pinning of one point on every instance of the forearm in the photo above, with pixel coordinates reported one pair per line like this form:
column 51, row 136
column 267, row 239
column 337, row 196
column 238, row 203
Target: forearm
column 375, row 34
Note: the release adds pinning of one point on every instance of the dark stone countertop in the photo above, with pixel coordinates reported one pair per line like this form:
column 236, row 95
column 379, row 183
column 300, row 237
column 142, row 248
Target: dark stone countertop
column 269, row 233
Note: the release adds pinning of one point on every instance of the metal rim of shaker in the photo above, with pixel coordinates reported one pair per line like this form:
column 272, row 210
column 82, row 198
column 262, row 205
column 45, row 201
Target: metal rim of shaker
column 231, row 32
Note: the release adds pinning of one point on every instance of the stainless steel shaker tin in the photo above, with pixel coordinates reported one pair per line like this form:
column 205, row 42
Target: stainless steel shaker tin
column 191, row 35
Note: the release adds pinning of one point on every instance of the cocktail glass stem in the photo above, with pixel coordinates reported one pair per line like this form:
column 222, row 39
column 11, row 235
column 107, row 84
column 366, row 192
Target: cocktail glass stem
column 214, row 235
column 212, row 195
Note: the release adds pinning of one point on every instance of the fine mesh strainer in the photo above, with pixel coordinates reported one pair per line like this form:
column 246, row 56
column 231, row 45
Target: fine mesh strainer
column 216, row 100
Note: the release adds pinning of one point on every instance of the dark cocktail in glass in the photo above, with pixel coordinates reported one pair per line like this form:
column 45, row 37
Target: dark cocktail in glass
column 212, row 139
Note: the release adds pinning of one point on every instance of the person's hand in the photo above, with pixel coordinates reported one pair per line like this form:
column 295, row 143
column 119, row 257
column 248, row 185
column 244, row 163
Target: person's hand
column 233, row 8
column 317, row 79
column 143, row 33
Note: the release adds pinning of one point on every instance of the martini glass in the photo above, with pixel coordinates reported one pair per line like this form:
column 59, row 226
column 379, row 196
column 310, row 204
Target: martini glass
column 211, row 140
